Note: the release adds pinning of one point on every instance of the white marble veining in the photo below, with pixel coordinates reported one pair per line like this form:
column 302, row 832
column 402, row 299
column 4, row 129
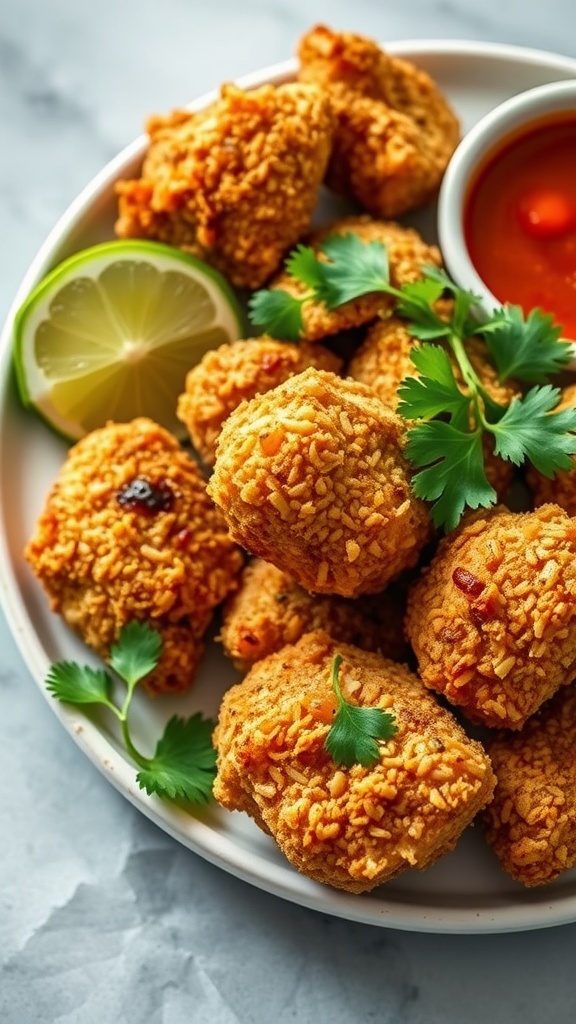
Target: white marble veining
column 103, row 918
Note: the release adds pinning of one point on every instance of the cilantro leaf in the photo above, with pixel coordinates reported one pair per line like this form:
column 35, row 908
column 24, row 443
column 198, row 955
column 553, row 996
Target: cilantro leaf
column 353, row 735
column 453, row 476
column 79, row 684
column 355, row 268
column 304, row 265
column 435, row 391
column 184, row 763
column 525, row 347
column 277, row 313
column 136, row 652
column 416, row 303
column 529, row 430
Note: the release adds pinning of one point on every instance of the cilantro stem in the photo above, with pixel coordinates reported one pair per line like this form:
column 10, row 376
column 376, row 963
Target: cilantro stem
column 471, row 381
column 143, row 762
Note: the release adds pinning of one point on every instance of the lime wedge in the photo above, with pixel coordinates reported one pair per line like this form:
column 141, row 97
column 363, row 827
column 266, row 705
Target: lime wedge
column 111, row 332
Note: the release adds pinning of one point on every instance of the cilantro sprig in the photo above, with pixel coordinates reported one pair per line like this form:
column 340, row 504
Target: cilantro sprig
column 183, row 765
column 446, row 401
column 354, row 733
column 351, row 268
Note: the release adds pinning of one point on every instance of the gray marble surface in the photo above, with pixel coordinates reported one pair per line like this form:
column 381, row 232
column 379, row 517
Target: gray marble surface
column 103, row 918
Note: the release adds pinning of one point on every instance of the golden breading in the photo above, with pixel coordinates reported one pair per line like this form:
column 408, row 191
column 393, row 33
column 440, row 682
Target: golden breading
column 227, row 375
column 128, row 532
column 560, row 489
column 383, row 361
column 395, row 132
column 270, row 610
column 311, row 477
column 407, row 254
column 235, row 183
column 532, row 822
column 492, row 620
column 352, row 828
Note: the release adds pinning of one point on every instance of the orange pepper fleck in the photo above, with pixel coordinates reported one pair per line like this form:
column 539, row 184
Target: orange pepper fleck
column 270, row 443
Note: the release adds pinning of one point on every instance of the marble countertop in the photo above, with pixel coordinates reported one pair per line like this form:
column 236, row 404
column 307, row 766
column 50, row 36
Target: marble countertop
column 103, row 917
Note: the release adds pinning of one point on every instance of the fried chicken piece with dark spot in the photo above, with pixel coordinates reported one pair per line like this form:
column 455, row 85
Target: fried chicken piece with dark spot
column 128, row 532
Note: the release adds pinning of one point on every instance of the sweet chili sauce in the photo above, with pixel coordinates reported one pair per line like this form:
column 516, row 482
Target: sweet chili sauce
column 520, row 220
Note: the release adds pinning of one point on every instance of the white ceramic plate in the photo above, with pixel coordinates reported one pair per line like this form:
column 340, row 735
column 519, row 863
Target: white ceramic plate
column 466, row 891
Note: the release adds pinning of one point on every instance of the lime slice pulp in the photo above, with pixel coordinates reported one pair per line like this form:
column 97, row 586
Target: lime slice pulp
column 111, row 332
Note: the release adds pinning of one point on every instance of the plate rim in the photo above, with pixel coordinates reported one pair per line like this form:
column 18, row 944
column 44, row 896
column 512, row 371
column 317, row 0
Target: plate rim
column 280, row 880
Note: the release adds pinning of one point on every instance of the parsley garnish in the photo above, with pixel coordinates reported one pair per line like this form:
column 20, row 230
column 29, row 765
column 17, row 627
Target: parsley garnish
column 450, row 415
column 184, row 763
column 353, row 735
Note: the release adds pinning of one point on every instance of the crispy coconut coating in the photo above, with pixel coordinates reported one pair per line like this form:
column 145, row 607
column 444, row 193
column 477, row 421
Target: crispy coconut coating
column 235, row 183
column 407, row 254
column 352, row 828
column 532, row 822
column 128, row 532
column 383, row 361
column 492, row 620
column 395, row 132
column 311, row 477
column 270, row 610
column 560, row 489
column 227, row 375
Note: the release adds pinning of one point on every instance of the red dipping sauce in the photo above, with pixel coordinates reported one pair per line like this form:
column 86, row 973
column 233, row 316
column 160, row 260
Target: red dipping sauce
column 520, row 219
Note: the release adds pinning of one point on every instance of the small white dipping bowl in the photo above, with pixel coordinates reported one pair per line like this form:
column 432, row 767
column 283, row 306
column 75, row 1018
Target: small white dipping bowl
column 486, row 138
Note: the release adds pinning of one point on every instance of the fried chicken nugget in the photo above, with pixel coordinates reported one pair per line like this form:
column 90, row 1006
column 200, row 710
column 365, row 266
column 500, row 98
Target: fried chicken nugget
column 269, row 610
column 383, row 361
column 311, row 477
column 531, row 823
column 395, row 132
column 227, row 375
column 560, row 489
column 128, row 532
column 492, row 619
column 407, row 254
column 352, row 828
column 235, row 183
